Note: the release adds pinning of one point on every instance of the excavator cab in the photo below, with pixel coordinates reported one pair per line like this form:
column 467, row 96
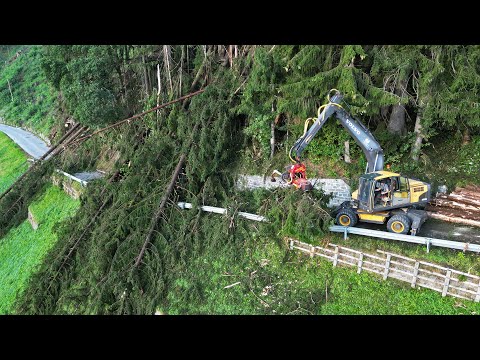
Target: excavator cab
column 365, row 191
column 384, row 190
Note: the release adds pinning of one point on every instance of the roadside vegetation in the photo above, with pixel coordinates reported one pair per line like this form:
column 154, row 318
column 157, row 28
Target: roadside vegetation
column 26, row 98
column 13, row 162
column 22, row 249
column 418, row 100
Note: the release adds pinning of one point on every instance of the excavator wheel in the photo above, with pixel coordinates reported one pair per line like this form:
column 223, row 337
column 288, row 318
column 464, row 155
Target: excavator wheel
column 399, row 224
column 346, row 217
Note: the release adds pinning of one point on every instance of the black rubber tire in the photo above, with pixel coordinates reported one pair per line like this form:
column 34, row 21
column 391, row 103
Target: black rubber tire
column 345, row 213
column 399, row 224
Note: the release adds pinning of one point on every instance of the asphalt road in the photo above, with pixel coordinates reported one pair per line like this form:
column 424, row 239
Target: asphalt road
column 31, row 144
column 439, row 230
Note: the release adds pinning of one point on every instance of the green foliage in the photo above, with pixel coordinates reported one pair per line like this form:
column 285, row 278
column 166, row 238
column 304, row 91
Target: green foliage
column 85, row 76
column 15, row 204
column 13, row 162
column 468, row 160
column 302, row 95
column 201, row 263
column 26, row 99
column 259, row 98
column 22, row 249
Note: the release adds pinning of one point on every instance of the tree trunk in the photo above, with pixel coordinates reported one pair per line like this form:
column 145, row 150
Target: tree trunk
column 396, row 124
column 466, row 138
column 159, row 87
column 419, row 137
column 272, row 139
column 10, row 88
column 159, row 211
column 166, row 58
column 145, row 75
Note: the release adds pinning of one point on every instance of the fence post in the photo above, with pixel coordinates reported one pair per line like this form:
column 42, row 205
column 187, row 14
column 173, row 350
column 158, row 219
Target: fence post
column 428, row 245
column 312, row 251
column 345, row 232
column 387, row 266
column 415, row 274
column 335, row 258
column 477, row 297
column 291, row 244
column 360, row 263
column 446, row 283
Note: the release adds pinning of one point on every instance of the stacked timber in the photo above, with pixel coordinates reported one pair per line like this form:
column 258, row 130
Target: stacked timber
column 462, row 206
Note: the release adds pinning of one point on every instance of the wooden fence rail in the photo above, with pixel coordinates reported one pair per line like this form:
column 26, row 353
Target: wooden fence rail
column 389, row 265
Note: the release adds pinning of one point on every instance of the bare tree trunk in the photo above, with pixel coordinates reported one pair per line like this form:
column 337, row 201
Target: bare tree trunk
column 396, row 124
column 145, row 75
column 180, row 71
column 230, row 54
column 466, row 138
column 418, row 141
column 159, row 81
column 10, row 88
column 166, row 59
column 272, row 139
column 159, row 210
column 347, row 152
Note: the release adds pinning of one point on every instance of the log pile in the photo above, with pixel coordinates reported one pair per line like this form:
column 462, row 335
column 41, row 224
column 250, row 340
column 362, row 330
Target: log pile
column 462, row 206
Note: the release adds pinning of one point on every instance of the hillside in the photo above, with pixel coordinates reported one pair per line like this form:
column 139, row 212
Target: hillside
column 13, row 162
column 129, row 249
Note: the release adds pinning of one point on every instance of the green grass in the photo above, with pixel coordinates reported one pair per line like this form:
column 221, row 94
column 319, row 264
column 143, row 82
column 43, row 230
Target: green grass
column 31, row 101
column 23, row 249
column 12, row 162
column 293, row 283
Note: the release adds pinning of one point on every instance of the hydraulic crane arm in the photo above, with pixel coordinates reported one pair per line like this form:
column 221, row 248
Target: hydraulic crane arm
column 363, row 137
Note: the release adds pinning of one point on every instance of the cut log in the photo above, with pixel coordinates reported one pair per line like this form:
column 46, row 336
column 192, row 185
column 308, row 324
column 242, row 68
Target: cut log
column 452, row 219
column 464, row 199
column 439, row 202
column 464, row 214
column 469, row 188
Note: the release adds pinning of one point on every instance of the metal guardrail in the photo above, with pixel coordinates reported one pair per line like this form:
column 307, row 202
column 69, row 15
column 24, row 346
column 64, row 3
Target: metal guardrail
column 217, row 210
column 359, row 231
column 407, row 238
column 82, row 182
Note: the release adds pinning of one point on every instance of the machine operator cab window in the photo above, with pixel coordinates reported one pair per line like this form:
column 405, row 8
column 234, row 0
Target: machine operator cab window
column 375, row 194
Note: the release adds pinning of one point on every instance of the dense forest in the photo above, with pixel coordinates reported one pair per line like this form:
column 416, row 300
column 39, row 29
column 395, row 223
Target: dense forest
column 114, row 257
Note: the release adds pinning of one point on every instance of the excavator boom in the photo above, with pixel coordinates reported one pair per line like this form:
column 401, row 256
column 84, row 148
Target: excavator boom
column 362, row 136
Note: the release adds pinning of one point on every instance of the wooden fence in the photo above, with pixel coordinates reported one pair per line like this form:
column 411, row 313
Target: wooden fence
column 418, row 273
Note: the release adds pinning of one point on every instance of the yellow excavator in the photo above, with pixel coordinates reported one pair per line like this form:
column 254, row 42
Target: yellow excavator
column 382, row 196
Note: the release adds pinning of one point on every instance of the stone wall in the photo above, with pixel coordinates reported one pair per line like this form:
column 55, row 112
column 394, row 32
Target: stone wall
column 69, row 186
column 337, row 187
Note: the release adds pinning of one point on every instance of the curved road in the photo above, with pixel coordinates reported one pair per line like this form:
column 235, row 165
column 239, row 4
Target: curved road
column 31, row 144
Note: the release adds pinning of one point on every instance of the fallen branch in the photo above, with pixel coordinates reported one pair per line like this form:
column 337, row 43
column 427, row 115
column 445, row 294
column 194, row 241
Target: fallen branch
column 139, row 115
column 229, row 286
column 159, row 211
column 99, row 211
